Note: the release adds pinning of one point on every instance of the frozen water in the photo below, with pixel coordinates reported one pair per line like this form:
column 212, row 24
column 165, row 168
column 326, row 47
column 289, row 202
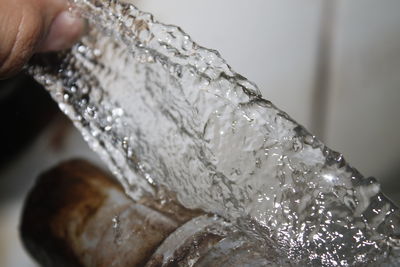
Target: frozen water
column 166, row 113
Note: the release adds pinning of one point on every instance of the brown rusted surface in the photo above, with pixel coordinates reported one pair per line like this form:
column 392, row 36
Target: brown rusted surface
column 58, row 208
column 76, row 215
column 141, row 232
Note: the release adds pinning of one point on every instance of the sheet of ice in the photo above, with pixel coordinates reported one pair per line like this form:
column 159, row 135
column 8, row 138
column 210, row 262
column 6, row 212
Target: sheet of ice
column 164, row 112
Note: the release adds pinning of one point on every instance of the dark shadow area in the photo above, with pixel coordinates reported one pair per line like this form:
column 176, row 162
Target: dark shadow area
column 25, row 109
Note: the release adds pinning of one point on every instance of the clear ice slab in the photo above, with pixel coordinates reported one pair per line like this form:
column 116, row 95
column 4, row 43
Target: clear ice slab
column 168, row 115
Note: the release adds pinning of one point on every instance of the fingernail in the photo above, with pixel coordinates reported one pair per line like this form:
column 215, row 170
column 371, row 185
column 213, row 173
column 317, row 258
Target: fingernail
column 65, row 30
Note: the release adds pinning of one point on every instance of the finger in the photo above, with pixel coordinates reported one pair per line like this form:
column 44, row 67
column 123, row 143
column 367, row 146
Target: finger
column 25, row 25
column 64, row 31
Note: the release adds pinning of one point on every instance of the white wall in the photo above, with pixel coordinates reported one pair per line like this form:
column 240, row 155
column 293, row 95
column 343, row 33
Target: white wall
column 363, row 118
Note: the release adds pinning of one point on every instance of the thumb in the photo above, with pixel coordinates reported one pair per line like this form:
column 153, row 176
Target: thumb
column 33, row 26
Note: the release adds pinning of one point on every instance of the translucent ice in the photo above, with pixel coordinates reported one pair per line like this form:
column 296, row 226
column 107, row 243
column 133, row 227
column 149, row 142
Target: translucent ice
column 166, row 113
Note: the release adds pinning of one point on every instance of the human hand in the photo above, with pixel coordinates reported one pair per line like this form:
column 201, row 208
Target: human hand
column 31, row 26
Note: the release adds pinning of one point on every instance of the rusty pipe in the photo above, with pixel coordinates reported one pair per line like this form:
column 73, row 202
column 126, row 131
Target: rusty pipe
column 77, row 215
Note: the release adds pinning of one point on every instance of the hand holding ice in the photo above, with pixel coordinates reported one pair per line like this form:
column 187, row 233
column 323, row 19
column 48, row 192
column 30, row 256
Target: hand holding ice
column 167, row 113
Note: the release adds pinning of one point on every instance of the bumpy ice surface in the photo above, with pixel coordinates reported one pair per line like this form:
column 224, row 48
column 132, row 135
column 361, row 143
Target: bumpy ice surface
column 167, row 113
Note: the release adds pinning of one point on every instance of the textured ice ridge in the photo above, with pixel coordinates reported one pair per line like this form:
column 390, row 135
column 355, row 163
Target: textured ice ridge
column 165, row 112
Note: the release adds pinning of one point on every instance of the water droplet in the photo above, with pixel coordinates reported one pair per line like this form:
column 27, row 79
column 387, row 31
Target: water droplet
column 116, row 225
column 118, row 112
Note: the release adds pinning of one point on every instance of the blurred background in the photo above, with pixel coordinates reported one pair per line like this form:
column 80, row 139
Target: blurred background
column 334, row 66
